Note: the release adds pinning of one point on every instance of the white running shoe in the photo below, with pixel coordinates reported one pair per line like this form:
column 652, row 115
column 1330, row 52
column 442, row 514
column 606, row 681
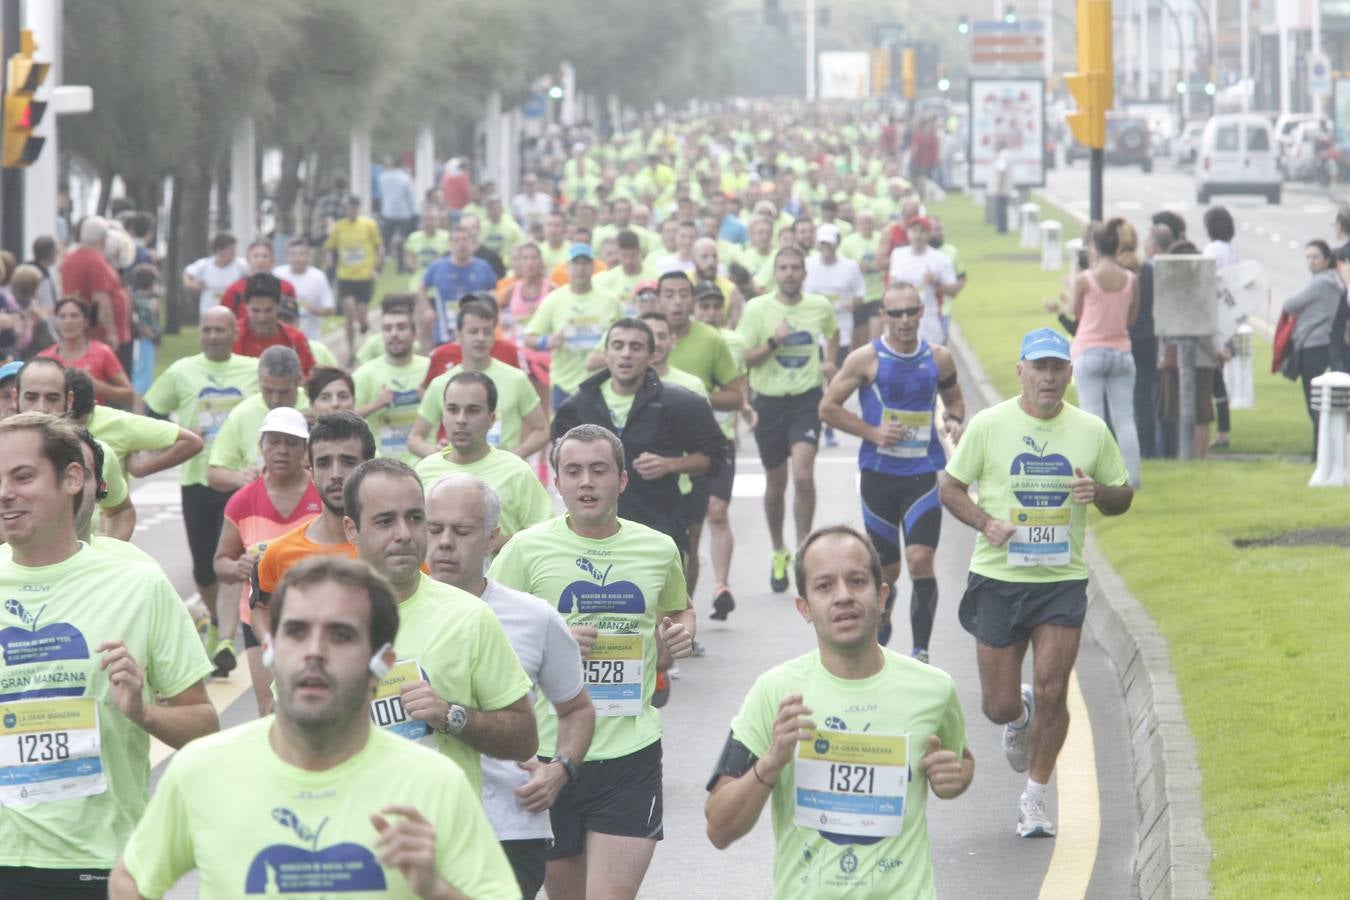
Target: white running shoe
column 1031, row 818
column 1017, row 741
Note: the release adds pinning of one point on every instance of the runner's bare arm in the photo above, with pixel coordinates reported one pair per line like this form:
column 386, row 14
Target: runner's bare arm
column 506, row 733
column 533, row 433
column 859, row 368
column 953, row 401
column 736, row 801
column 121, row 886
column 956, row 497
column 187, row 445
column 419, row 442
column 576, row 727
column 174, row 720
column 120, row 523
column 729, row 396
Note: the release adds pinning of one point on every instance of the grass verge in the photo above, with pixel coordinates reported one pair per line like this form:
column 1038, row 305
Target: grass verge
column 1255, row 635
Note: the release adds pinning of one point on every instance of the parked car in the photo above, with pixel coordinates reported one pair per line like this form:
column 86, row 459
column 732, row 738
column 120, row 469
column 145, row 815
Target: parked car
column 1127, row 143
column 1286, row 125
column 1188, row 145
column 1238, row 156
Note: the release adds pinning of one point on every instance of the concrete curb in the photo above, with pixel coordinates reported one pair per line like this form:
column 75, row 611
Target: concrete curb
column 1173, row 853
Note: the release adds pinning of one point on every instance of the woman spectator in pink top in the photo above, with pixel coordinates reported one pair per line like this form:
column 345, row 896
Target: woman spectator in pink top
column 1105, row 303
column 77, row 350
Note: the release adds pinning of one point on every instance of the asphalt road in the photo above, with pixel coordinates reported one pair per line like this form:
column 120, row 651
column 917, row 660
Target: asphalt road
column 975, row 850
column 1272, row 234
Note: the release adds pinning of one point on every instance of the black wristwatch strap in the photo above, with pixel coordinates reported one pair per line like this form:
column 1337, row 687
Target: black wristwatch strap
column 568, row 766
column 773, row 343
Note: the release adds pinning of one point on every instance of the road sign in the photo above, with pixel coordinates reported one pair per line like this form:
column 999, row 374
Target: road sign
column 1319, row 75
column 999, row 43
column 534, row 106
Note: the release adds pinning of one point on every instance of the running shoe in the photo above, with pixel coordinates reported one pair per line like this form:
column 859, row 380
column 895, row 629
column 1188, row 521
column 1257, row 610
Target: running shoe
column 1017, row 741
column 210, row 635
column 1032, row 820
column 778, row 574
column 723, row 603
column 920, row 654
column 830, row 439
column 224, row 658
column 661, row 695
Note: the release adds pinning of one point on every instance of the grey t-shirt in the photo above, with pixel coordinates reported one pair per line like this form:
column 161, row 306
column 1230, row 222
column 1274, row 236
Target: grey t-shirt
column 550, row 657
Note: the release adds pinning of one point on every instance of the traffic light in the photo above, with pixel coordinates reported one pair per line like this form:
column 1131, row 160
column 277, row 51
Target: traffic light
column 22, row 112
column 1091, row 85
column 963, row 24
column 1009, row 14
column 909, row 73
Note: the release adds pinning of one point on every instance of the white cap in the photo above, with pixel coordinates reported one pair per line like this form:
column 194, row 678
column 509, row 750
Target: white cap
column 285, row 420
column 827, row 233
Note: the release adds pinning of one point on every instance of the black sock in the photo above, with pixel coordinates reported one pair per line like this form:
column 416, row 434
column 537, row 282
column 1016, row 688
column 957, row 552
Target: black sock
column 922, row 611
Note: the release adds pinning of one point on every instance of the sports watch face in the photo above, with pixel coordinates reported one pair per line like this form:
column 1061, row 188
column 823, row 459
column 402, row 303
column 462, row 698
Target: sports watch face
column 457, row 718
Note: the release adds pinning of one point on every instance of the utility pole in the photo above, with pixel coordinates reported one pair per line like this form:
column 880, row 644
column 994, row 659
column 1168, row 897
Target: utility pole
column 1092, row 87
column 11, row 181
column 810, row 50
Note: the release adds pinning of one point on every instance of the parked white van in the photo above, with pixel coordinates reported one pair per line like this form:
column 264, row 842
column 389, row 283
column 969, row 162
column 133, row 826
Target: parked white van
column 1238, row 155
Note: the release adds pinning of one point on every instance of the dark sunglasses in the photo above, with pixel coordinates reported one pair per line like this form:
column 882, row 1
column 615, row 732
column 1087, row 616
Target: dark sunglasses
column 908, row 312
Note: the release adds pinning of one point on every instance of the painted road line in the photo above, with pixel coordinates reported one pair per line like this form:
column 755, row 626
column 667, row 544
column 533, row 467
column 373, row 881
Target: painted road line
column 221, row 694
column 1079, row 811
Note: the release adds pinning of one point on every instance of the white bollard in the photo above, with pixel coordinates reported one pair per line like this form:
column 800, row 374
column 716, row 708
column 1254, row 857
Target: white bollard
column 1071, row 248
column 1331, row 399
column 1052, row 254
column 1237, row 372
column 1031, row 225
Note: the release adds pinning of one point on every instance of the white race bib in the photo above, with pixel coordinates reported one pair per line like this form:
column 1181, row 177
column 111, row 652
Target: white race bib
column 614, row 674
column 915, row 435
column 1042, row 536
column 853, row 784
column 494, row 435
column 387, row 711
column 49, row 750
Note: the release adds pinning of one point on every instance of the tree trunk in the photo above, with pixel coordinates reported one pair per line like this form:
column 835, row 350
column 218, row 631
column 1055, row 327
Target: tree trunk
column 188, row 238
column 288, row 191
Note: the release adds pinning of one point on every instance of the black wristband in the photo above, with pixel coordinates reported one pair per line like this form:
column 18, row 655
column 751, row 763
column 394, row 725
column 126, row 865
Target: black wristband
column 957, row 419
column 772, row 342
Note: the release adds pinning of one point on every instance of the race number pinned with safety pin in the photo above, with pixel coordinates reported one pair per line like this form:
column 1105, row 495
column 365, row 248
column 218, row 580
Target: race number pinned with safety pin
column 852, row 784
column 387, row 711
column 1042, row 536
column 49, row 750
column 613, row 672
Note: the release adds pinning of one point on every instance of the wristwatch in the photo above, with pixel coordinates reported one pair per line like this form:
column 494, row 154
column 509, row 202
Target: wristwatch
column 456, row 719
column 569, row 767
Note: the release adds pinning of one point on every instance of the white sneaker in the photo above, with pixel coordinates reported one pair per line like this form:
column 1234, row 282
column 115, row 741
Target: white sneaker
column 1031, row 818
column 1017, row 741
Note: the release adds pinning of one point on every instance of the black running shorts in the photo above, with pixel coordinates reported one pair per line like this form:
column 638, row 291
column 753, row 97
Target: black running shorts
column 620, row 796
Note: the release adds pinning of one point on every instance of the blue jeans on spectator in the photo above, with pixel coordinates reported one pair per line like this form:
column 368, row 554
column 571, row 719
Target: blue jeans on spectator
column 143, row 369
column 1105, row 381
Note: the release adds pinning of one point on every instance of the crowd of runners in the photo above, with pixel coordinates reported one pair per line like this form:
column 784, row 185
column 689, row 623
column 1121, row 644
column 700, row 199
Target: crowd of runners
column 457, row 670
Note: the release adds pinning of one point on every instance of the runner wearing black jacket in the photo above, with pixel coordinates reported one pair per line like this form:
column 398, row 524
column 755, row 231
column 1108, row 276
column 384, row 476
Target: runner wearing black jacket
column 666, row 430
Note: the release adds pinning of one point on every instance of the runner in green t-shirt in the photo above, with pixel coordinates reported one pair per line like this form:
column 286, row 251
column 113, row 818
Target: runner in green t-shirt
column 861, row 247
column 87, row 682
column 233, row 462
column 846, row 742
column 710, row 310
column 330, row 805
column 470, row 403
column 571, row 321
column 388, row 389
column 521, row 425
column 621, row 587
column 457, row 685
column 1040, row 463
column 425, row 246
column 42, row 386
column 783, row 333
column 622, row 280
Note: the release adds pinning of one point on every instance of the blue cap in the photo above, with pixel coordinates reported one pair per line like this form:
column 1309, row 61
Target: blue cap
column 576, row 251
column 9, row 370
column 1045, row 343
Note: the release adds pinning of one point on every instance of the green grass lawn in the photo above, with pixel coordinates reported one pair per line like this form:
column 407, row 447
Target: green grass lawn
column 1254, row 634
